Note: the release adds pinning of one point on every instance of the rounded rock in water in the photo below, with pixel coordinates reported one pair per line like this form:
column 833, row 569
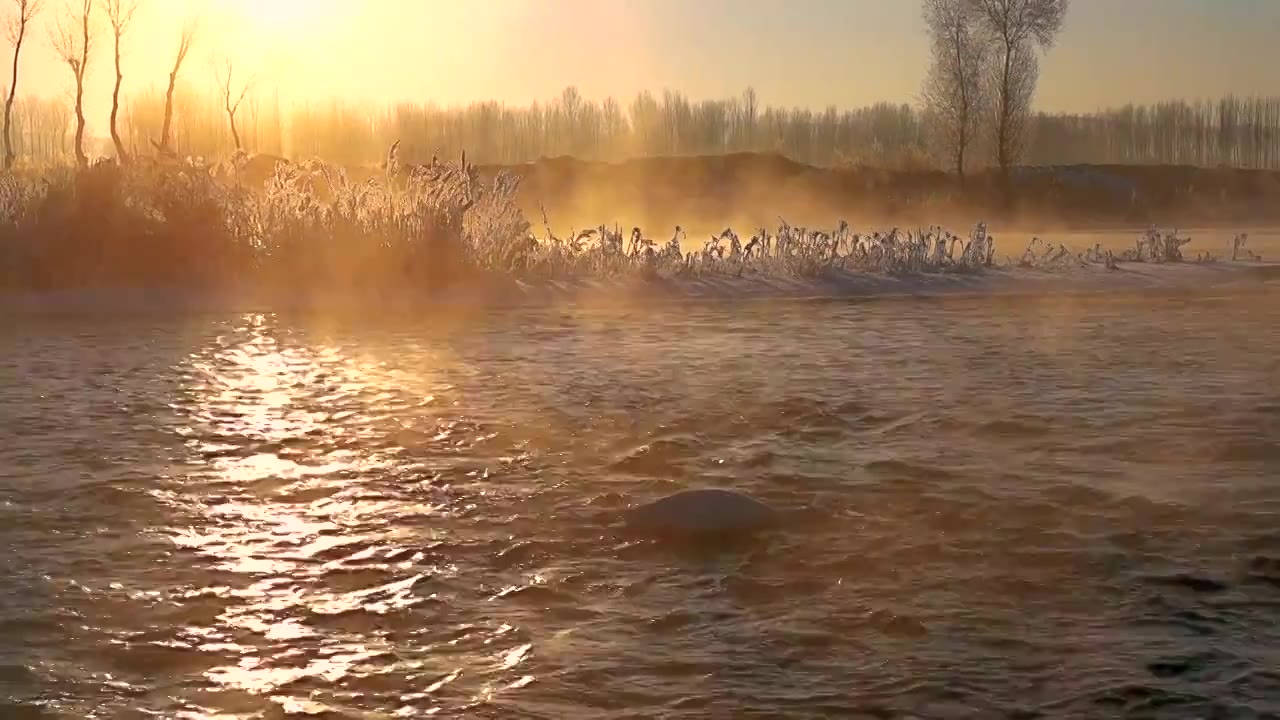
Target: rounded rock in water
column 703, row 511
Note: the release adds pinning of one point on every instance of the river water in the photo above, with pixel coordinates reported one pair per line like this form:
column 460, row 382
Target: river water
column 1065, row 507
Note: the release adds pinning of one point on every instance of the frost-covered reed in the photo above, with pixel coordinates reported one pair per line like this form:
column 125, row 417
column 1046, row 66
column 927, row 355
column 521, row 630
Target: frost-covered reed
column 786, row 250
column 311, row 226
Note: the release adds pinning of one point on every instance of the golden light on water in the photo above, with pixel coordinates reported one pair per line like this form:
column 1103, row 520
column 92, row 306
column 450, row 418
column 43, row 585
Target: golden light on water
column 305, row 547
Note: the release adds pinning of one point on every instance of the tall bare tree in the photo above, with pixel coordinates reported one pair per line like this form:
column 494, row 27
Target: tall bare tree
column 231, row 99
column 16, row 30
column 750, row 114
column 1015, row 82
column 119, row 14
column 953, row 89
column 1016, row 27
column 188, row 37
column 72, row 40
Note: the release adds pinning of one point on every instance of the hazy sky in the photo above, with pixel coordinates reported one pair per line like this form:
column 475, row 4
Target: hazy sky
column 804, row 52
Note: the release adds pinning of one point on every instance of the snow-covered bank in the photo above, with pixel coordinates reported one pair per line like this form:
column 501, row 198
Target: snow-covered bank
column 506, row 291
column 996, row 281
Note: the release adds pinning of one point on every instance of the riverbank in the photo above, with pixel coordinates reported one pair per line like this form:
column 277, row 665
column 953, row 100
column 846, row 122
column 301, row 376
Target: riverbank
column 495, row 291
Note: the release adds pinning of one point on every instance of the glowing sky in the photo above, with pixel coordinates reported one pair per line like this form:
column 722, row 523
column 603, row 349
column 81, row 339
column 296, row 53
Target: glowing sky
column 803, row 52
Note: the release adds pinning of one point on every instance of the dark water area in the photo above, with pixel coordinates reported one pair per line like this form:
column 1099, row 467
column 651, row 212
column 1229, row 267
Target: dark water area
column 1009, row 508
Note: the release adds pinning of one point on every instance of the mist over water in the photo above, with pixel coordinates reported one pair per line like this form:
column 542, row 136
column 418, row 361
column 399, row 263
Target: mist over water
column 1057, row 508
column 1014, row 507
column 336, row 410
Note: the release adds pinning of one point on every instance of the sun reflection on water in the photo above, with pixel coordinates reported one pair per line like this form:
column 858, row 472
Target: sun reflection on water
column 384, row 519
column 310, row 507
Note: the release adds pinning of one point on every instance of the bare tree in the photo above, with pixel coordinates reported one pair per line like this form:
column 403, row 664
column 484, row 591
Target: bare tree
column 188, row 37
column 750, row 114
column 16, row 30
column 953, row 89
column 226, row 84
column 1016, row 27
column 1015, row 82
column 119, row 14
column 72, row 44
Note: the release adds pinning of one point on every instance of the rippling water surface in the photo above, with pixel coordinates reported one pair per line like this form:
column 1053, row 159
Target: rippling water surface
column 1013, row 508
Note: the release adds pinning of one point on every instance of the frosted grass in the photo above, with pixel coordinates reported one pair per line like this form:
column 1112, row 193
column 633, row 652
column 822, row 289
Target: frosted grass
column 311, row 226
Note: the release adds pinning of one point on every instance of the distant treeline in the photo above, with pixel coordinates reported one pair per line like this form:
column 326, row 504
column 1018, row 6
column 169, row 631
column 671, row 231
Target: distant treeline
column 42, row 129
column 1235, row 131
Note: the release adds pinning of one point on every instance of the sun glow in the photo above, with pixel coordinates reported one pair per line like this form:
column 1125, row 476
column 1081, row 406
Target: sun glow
column 282, row 43
column 289, row 21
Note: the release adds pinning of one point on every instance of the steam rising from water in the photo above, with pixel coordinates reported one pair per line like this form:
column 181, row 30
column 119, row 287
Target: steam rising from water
column 1030, row 507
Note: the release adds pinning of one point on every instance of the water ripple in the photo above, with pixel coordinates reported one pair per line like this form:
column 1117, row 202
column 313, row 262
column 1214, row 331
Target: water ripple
column 1004, row 510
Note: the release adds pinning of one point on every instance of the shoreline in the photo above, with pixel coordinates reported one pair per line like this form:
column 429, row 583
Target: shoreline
column 493, row 293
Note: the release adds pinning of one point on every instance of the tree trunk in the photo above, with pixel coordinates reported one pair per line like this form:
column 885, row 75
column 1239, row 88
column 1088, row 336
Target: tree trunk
column 121, row 155
column 1002, row 124
column 962, row 137
column 235, row 135
column 9, row 155
column 81, row 159
column 168, row 113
